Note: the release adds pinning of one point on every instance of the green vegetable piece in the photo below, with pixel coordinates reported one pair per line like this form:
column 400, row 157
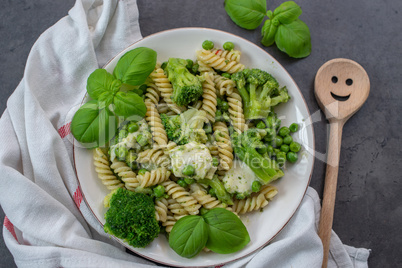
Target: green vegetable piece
column 261, row 125
column 130, row 159
column 142, row 171
column 226, row 232
column 182, row 183
column 287, row 12
column 245, row 13
column 268, row 32
column 284, row 131
column 228, row 46
column 219, row 189
column 135, row 66
column 93, row 127
column 281, row 158
column 256, row 186
column 292, row 157
column 129, row 105
column 159, row 191
column 262, row 150
column 121, row 153
column 189, row 181
column 142, row 140
column 295, row 146
column 189, row 65
column 287, row 139
column 284, row 148
column 195, row 67
column 240, row 196
column 133, row 127
column 270, row 149
column 207, row 45
column 203, row 211
column 294, row 127
column 215, row 161
column 100, row 81
column 278, row 141
column 212, row 192
column 189, row 236
column 271, row 133
column 226, row 75
column 163, row 65
column 294, row 39
column 131, row 217
column 224, row 106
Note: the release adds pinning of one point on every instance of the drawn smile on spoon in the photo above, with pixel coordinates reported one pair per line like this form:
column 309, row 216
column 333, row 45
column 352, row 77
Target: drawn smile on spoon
column 339, row 98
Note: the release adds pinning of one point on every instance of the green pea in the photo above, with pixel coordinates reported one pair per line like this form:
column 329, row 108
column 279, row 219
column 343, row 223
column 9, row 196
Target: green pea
column 285, row 148
column 256, row 186
column 226, row 75
column 189, row 181
column 164, row 64
column 121, row 152
column 207, row 45
column 142, row 140
column 142, row 171
column 281, row 158
column 291, row 157
column 189, row 64
column 188, row 170
column 240, row 196
column 278, row 141
column 182, row 183
column 262, row 149
column 212, row 192
column 294, row 127
column 287, row 139
column 295, row 146
column 203, row 211
column 159, row 191
column 228, row 46
column 133, row 127
column 215, row 161
column 224, row 106
column 261, row 125
column 283, row 131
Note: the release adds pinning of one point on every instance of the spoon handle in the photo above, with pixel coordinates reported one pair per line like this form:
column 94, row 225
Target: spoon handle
column 331, row 177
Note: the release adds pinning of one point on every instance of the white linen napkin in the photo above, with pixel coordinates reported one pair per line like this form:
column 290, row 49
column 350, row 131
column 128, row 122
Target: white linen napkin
column 47, row 224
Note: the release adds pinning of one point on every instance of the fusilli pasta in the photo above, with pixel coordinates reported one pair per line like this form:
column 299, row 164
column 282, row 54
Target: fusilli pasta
column 225, row 149
column 125, row 173
column 182, row 197
column 256, row 201
column 153, row 177
column 105, row 174
column 219, row 63
column 209, row 101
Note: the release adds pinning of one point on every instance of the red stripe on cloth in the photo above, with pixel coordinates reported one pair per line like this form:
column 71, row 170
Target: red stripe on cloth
column 219, row 266
column 77, row 197
column 64, row 130
column 10, row 227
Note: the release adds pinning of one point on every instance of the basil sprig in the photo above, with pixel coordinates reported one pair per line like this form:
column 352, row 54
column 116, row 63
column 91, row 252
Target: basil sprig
column 219, row 230
column 282, row 27
column 112, row 96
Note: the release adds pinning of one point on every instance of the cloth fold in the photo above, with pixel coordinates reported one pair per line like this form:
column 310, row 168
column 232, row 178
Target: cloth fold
column 47, row 224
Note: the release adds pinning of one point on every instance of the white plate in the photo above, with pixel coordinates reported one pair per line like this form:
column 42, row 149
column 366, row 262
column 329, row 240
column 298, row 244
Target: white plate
column 262, row 226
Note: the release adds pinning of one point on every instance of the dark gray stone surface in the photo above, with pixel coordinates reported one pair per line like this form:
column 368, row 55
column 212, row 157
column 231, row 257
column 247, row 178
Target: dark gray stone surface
column 368, row 208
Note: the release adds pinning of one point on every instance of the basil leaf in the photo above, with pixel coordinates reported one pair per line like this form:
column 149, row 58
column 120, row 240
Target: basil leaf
column 247, row 14
column 135, row 66
column 287, row 12
column 128, row 104
column 93, row 127
column 227, row 234
column 268, row 32
column 189, row 236
column 294, row 39
column 105, row 99
column 100, row 81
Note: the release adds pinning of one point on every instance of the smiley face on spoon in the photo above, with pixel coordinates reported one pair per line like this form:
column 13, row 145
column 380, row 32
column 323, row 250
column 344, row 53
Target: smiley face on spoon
column 341, row 86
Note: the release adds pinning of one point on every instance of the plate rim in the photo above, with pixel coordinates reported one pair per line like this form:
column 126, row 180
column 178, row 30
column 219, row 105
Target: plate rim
column 311, row 150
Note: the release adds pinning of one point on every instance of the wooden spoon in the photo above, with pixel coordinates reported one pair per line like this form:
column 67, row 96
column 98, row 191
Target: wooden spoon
column 341, row 87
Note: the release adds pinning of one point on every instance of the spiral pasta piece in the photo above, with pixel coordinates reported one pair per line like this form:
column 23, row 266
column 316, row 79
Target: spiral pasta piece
column 169, row 223
column 152, row 93
column 209, row 101
column 224, row 85
column 165, row 87
column 202, row 67
column 233, row 55
column 225, row 149
column 105, row 174
column 218, row 63
column 177, row 209
column 126, row 174
column 153, row 177
column 205, row 199
column 255, row 201
column 236, row 111
column 183, row 197
column 155, row 155
column 161, row 209
column 154, row 120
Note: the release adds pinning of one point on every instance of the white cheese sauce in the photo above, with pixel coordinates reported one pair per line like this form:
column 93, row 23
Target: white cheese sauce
column 239, row 179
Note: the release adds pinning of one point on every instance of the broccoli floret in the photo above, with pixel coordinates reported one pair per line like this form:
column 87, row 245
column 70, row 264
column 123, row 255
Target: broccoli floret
column 131, row 217
column 186, row 127
column 186, row 86
column 244, row 146
column 259, row 91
